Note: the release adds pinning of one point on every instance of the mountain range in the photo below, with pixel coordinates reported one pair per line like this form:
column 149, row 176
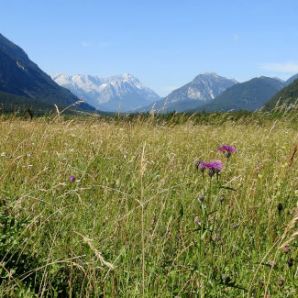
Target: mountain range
column 22, row 81
column 249, row 96
column 24, row 84
column 201, row 90
column 121, row 93
column 219, row 94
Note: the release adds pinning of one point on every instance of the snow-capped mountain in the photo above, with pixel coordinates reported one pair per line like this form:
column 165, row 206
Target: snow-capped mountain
column 121, row 93
column 202, row 89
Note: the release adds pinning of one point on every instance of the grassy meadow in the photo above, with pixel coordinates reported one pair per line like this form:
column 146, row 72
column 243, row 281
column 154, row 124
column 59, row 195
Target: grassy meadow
column 138, row 219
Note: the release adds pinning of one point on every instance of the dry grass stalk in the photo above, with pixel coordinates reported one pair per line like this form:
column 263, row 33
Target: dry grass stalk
column 96, row 252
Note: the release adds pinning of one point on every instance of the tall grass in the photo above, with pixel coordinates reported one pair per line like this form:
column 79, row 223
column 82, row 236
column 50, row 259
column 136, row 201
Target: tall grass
column 131, row 224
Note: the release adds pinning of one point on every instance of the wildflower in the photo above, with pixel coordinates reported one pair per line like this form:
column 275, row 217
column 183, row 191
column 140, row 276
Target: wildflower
column 72, row 178
column 199, row 165
column 213, row 167
column 227, row 150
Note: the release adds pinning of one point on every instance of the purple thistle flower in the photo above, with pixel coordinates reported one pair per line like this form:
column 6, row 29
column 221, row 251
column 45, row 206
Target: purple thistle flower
column 199, row 165
column 213, row 167
column 72, row 179
column 227, row 150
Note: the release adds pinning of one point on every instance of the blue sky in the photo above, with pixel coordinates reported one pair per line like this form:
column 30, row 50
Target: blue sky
column 163, row 43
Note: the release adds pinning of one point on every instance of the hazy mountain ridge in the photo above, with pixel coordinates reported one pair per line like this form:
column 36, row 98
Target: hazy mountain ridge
column 115, row 94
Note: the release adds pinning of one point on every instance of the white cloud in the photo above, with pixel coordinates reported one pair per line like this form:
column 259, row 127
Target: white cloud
column 236, row 37
column 289, row 68
column 86, row 44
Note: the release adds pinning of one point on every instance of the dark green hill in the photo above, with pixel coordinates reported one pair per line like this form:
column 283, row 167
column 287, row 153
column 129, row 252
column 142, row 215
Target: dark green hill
column 14, row 103
column 21, row 77
column 249, row 96
column 287, row 96
column 292, row 79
